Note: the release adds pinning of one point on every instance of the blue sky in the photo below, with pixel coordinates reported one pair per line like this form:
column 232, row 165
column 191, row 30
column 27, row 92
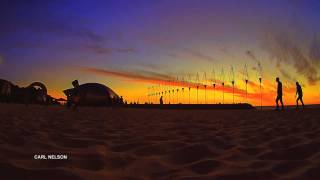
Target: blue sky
column 51, row 40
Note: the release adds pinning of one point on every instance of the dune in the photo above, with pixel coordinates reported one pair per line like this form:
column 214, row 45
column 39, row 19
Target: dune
column 124, row 143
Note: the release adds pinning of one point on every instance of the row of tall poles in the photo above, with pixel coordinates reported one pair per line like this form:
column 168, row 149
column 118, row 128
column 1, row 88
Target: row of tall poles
column 170, row 89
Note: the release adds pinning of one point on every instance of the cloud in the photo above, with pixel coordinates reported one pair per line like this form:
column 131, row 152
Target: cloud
column 144, row 76
column 155, row 74
column 314, row 51
column 164, row 79
column 198, row 55
column 287, row 50
column 285, row 74
column 191, row 55
column 225, row 50
column 252, row 55
column 126, row 50
column 151, row 66
column 48, row 28
column 100, row 49
column 159, row 78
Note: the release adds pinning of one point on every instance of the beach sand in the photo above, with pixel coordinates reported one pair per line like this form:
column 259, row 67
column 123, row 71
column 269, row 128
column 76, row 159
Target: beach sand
column 120, row 143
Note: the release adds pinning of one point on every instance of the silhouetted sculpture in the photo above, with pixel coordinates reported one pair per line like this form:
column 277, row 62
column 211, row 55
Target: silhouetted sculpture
column 75, row 83
column 300, row 94
column 90, row 94
column 161, row 100
column 279, row 94
column 40, row 93
column 5, row 91
column 35, row 93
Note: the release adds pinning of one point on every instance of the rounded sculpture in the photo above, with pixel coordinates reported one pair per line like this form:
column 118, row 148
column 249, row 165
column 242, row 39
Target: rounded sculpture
column 41, row 86
column 35, row 93
column 91, row 94
column 5, row 90
column 39, row 92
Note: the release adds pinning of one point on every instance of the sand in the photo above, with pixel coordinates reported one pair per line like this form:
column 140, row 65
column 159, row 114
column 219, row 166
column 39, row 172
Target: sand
column 105, row 143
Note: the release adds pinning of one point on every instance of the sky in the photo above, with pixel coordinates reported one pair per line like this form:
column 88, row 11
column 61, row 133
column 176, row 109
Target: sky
column 141, row 48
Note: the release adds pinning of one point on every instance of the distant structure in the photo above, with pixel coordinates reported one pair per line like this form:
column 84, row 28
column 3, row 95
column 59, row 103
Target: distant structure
column 91, row 94
column 35, row 93
column 5, row 90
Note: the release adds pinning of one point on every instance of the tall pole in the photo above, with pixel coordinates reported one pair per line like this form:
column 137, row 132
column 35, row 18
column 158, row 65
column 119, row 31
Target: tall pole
column 182, row 91
column 246, row 90
column 205, row 87
column 214, row 93
column 197, row 93
column 214, row 85
column 232, row 82
column 148, row 94
column 222, row 92
column 246, row 78
column 177, row 96
column 260, row 80
column 189, row 94
column 233, row 91
column 222, row 77
column 205, row 94
column 197, row 78
column 189, row 85
column 183, row 98
column 177, row 90
column 172, row 96
column 169, row 97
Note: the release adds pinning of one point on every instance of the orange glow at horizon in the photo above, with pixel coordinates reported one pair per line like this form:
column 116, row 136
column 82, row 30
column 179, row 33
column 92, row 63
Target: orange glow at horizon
column 149, row 89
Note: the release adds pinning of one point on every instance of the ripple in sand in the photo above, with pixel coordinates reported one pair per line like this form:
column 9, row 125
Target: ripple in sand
column 261, row 175
column 116, row 162
column 158, row 149
column 299, row 152
column 77, row 143
column 284, row 142
column 312, row 173
column 190, row 154
column 288, row 166
column 9, row 172
column 92, row 162
column 205, row 166
column 127, row 146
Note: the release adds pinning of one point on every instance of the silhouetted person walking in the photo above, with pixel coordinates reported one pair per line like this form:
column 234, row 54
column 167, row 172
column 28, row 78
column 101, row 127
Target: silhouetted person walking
column 121, row 100
column 161, row 100
column 300, row 94
column 279, row 94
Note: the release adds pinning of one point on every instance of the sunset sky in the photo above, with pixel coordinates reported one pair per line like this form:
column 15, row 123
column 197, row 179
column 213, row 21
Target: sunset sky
column 139, row 46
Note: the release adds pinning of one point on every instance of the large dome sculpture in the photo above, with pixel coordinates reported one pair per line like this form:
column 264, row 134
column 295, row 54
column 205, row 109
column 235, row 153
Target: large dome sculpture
column 91, row 94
